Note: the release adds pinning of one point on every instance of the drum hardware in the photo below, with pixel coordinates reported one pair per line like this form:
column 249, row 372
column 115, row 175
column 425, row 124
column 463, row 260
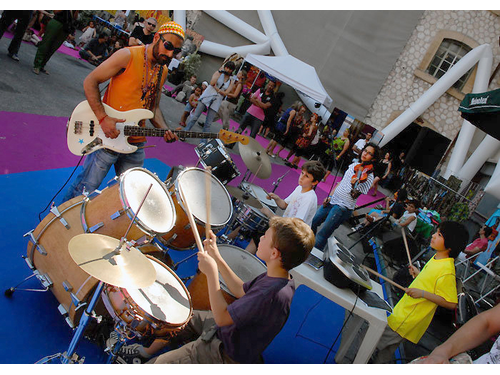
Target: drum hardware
column 278, row 181
column 260, row 193
column 55, row 211
column 244, row 197
column 124, row 238
column 70, row 356
column 34, row 241
column 43, row 279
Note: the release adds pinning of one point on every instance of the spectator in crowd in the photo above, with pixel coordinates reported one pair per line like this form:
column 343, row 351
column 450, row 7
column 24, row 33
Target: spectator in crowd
column 479, row 245
column 119, row 44
column 304, row 141
column 341, row 146
column 56, row 33
column 284, row 127
column 120, row 18
column 228, row 105
column 89, row 33
column 190, row 106
column 143, row 35
column 139, row 21
column 270, row 115
column 358, row 146
column 23, row 18
column 183, row 91
column 382, row 170
column 255, row 114
column 95, row 51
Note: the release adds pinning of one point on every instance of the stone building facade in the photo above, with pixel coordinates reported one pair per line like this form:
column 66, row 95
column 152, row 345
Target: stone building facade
column 408, row 80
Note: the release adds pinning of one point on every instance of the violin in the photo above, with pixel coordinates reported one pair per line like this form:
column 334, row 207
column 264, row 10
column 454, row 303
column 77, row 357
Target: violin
column 361, row 172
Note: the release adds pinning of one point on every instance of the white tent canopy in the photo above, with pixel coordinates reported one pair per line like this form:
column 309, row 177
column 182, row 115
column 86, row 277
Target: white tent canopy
column 296, row 73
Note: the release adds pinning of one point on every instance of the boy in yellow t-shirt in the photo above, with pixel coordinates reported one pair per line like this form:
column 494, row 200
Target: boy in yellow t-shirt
column 434, row 286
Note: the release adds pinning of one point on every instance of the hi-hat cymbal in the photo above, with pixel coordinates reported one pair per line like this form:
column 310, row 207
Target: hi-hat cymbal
column 244, row 197
column 255, row 158
column 125, row 268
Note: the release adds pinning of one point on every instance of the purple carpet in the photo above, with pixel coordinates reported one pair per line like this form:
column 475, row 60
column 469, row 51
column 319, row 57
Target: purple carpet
column 33, row 142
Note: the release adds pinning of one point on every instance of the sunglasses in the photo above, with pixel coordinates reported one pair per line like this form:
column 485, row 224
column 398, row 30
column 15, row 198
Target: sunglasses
column 169, row 46
column 152, row 24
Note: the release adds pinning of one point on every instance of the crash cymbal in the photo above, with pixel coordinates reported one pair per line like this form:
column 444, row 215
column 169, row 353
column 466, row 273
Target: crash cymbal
column 126, row 268
column 255, row 158
column 244, row 197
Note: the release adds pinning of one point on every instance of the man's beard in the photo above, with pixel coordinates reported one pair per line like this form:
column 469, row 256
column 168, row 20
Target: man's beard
column 160, row 59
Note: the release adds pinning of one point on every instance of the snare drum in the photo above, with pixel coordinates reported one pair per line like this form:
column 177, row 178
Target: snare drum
column 245, row 265
column 157, row 310
column 259, row 193
column 192, row 181
column 250, row 218
column 111, row 211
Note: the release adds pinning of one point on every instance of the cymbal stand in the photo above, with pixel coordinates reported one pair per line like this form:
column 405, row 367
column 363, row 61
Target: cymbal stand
column 70, row 356
column 124, row 238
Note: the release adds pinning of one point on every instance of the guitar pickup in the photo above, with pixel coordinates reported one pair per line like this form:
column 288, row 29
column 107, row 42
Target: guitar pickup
column 78, row 127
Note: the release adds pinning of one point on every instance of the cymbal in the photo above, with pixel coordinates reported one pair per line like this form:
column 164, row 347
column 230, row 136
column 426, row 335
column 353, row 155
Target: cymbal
column 244, row 197
column 255, row 158
column 126, row 268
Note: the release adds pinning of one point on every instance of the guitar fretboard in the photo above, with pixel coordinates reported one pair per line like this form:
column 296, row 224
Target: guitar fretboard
column 155, row 132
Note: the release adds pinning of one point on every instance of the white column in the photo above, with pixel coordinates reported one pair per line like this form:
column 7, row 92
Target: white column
column 234, row 23
column 180, row 18
column 222, row 50
column 488, row 148
column 438, row 89
column 267, row 21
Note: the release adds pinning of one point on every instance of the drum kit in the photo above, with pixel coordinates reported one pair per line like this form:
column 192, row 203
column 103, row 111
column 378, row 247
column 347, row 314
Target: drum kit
column 112, row 246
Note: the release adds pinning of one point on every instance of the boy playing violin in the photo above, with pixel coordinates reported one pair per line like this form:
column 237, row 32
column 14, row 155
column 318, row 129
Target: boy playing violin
column 338, row 208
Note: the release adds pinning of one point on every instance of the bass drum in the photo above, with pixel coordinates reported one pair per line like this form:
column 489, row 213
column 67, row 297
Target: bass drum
column 49, row 256
column 245, row 265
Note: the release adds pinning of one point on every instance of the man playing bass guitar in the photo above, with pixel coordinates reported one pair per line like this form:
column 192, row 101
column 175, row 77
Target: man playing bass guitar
column 136, row 76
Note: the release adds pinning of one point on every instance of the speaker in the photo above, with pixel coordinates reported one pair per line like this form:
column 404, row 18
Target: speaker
column 404, row 140
column 427, row 150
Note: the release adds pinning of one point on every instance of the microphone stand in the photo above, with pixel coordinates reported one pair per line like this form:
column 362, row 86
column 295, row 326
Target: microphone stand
column 278, row 181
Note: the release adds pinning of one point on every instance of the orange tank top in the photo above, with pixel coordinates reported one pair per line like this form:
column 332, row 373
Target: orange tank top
column 136, row 87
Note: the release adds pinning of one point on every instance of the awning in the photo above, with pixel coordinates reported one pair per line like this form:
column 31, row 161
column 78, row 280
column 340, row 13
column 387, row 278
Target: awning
column 294, row 72
column 483, row 111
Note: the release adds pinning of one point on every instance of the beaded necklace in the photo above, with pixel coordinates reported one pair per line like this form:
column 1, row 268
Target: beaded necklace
column 148, row 84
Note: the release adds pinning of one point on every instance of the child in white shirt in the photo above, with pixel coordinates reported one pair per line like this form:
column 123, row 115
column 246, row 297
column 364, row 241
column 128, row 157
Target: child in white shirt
column 302, row 202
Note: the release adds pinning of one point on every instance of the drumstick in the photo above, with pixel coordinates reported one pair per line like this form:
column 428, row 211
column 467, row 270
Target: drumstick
column 191, row 221
column 256, row 174
column 406, row 246
column 208, row 183
column 383, row 277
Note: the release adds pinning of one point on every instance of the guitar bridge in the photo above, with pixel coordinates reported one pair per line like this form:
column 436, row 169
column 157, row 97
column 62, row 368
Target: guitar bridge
column 91, row 145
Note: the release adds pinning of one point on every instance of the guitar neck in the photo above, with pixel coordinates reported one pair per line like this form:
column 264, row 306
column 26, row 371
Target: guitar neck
column 155, row 132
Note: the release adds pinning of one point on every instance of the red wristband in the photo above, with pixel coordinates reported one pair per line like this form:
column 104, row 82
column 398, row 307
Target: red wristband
column 102, row 119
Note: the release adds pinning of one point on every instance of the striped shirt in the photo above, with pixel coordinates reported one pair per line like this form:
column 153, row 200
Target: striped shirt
column 342, row 194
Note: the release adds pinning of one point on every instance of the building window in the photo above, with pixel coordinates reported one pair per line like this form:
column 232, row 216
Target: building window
column 446, row 49
column 448, row 54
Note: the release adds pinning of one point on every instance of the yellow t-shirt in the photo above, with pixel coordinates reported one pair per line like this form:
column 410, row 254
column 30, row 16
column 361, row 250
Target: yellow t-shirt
column 411, row 316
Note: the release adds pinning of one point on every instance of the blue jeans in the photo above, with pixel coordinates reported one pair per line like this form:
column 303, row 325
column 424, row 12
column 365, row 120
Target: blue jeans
column 200, row 108
column 333, row 216
column 97, row 166
column 254, row 123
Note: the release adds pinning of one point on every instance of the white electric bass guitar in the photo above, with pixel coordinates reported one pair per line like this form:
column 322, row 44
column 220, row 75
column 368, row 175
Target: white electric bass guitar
column 86, row 136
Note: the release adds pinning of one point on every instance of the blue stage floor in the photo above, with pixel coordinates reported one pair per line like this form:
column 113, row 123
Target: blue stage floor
column 32, row 327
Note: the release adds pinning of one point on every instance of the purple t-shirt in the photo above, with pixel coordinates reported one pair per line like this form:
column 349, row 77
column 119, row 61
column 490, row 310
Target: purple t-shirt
column 258, row 317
